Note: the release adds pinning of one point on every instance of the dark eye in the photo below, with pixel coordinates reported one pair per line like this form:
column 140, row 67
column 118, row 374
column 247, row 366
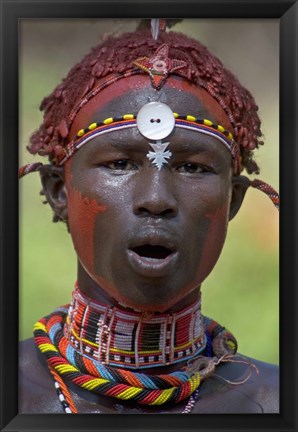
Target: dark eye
column 122, row 165
column 190, row 168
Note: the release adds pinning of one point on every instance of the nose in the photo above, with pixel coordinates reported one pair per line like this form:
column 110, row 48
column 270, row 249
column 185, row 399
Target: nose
column 154, row 194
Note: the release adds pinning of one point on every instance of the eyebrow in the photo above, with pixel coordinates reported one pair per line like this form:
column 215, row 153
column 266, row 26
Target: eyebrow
column 129, row 145
column 194, row 147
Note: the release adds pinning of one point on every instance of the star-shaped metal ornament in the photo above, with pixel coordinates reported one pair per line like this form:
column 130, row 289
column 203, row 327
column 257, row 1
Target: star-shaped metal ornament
column 159, row 66
column 159, row 156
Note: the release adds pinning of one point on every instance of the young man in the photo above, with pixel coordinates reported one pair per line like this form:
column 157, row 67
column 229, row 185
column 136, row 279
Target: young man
column 147, row 138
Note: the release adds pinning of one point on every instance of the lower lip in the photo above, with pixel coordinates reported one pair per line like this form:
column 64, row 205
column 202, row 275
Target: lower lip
column 152, row 267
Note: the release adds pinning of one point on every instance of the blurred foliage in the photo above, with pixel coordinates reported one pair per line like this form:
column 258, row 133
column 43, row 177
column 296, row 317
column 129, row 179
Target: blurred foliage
column 242, row 291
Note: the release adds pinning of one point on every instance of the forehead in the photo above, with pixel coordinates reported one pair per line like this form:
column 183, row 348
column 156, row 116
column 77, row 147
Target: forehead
column 129, row 95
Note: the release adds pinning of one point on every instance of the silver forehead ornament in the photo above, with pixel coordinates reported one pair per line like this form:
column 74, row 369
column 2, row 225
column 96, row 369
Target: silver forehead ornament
column 156, row 121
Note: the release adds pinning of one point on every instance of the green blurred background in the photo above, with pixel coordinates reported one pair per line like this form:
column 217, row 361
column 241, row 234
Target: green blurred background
column 242, row 292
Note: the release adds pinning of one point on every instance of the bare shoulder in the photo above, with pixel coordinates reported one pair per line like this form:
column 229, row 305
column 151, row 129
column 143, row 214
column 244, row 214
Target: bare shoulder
column 241, row 388
column 37, row 393
column 265, row 386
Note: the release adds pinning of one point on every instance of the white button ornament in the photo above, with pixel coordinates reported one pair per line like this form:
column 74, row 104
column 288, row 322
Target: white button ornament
column 155, row 121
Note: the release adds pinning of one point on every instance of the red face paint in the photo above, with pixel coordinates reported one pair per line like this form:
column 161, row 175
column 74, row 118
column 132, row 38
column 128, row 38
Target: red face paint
column 103, row 98
column 82, row 212
column 214, row 241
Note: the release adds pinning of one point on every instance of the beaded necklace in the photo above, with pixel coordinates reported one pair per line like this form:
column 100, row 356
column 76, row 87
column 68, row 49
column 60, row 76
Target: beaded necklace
column 65, row 362
column 118, row 337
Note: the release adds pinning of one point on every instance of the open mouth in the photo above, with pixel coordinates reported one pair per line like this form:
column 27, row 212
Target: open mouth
column 154, row 252
column 152, row 260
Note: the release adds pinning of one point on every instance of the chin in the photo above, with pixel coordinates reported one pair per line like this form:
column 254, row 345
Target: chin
column 162, row 301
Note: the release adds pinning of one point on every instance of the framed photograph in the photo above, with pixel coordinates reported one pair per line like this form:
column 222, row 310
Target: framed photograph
column 250, row 285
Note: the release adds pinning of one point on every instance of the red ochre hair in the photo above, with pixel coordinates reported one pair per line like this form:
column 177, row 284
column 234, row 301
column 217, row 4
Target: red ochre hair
column 116, row 55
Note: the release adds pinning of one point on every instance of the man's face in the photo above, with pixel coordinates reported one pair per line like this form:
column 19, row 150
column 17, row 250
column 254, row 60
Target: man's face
column 149, row 237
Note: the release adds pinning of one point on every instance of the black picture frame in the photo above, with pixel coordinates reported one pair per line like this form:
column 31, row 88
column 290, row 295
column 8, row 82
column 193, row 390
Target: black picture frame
column 11, row 12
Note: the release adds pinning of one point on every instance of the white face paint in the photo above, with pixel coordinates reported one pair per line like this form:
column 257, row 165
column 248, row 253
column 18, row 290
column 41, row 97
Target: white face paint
column 156, row 121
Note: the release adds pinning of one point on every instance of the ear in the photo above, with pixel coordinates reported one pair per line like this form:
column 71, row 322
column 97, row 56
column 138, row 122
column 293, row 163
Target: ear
column 239, row 188
column 53, row 183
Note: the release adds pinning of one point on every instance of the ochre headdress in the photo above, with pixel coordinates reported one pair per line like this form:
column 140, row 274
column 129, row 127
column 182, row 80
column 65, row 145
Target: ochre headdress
column 158, row 54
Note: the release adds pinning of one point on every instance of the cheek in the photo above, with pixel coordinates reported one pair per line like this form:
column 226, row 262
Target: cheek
column 214, row 226
column 214, row 240
column 82, row 214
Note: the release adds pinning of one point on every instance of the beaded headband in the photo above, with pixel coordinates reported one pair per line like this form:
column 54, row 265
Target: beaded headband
column 155, row 121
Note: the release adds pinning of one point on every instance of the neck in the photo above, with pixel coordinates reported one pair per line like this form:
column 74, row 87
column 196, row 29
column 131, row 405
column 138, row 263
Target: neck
column 94, row 291
column 116, row 336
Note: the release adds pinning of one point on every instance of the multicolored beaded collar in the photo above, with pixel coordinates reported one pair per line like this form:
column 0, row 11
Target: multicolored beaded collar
column 67, row 363
column 121, row 338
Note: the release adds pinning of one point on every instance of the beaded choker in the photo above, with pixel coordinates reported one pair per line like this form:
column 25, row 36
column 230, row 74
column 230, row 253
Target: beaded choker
column 67, row 363
column 117, row 337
